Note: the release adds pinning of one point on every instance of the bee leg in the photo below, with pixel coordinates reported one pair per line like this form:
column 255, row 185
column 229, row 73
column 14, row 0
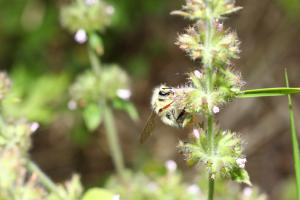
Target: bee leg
column 180, row 118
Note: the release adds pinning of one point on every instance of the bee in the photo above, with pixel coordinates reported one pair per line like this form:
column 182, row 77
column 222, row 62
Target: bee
column 170, row 105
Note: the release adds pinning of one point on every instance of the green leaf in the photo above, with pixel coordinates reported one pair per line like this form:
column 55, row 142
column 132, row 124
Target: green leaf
column 98, row 193
column 92, row 115
column 96, row 43
column 267, row 92
column 240, row 175
column 295, row 144
column 126, row 106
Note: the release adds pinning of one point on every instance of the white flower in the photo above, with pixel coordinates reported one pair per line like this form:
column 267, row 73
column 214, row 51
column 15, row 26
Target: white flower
column 90, row 2
column 110, row 10
column 81, row 36
column 72, row 105
column 198, row 74
column 241, row 162
column 124, row 93
column 116, row 197
column 34, row 126
column 247, row 191
column 216, row 109
column 196, row 133
column 193, row 189
column 171, row 165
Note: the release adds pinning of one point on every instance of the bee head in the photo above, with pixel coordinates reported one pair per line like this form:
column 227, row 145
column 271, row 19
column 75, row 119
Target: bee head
column 161, row 96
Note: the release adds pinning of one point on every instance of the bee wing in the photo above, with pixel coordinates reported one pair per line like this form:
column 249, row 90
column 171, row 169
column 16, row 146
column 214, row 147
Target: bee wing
column 150, row 124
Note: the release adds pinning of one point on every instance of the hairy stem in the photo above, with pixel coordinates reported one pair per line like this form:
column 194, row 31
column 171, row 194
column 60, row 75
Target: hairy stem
column 207, row 62
column 113, row 141
column 46, row 181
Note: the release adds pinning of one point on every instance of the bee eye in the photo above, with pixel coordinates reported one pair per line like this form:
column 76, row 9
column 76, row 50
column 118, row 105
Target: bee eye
column 162, row 93
column 168, row 116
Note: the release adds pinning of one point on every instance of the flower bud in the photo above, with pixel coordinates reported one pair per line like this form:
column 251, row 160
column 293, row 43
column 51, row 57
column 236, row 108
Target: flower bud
column 171, row 166
column 81, row 36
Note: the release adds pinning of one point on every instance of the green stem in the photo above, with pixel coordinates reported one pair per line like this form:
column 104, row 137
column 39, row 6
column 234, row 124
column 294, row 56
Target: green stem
column 109, row 122
column 296, row 155
column 46, row 181
column 113, row 141
column 211, row 187
column 95, row 62
column 207, row 62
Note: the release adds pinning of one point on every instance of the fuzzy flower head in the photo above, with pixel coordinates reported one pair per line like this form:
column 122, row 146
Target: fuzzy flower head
column 112, row 83
column 17, row 133
column 196, row 9
column 227, row 159
column 89, row 15
column 224, row 45
column 14, row 176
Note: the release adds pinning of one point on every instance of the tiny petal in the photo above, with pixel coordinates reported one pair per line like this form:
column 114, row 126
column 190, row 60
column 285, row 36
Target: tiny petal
column 216, row 109
column 171, row 165
column 124, row 93
column 72, row 105
column 220, row 27
column 241, row 162
column 198, row 74
column 110, row 10
column 247, row 191
column 193, row 189
column 116, row 197
column 34, row 126
column 80, row 36
column 90, row 2
column 196, row 133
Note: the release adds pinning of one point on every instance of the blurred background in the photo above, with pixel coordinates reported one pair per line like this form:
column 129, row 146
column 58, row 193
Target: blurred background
column 43, row 60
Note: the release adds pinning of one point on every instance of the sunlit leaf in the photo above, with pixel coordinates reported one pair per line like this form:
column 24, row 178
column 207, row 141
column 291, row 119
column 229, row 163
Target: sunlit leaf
column 97, row 193
column 240, row 175
column 92, row 115
column 126, row 106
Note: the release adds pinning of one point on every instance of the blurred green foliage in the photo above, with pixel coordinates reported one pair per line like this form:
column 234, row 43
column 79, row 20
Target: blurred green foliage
column 35, row 97
column 292, row 7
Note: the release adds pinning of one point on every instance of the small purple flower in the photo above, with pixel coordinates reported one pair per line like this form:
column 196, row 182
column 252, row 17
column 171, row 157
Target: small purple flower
column 196, row 133
column 241, row 162
column 171, row 165
column 34, row 126
column 216, row 109
column 81, row 36
column 247, row 192
column 124, row 93
column 198, row 74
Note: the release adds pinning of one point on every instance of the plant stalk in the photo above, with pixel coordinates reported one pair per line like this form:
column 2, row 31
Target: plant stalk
column 207, row 62
column 295, row 144
column 113, row 141
column 109, row 122
column 46, row 181
column 95, row 62
column 211, row 189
